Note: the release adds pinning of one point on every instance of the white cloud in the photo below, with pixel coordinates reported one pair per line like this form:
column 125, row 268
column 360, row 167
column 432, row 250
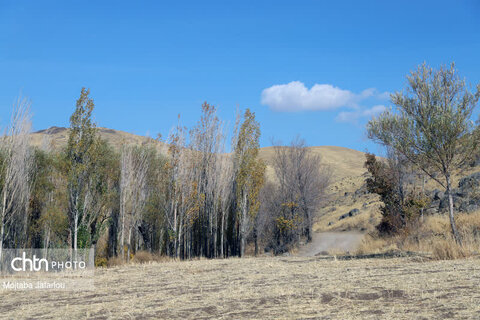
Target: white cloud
column 384, row 95
column 295, row 96
column 373, row 111
column 353, row 116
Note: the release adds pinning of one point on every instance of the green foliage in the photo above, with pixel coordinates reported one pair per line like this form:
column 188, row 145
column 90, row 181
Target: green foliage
column 42, row 187
column 79, row 162
column 83, row 237
column 402, row 206
column 82, row 132
column 432, row 126
column 251, row 171
column 101, row 262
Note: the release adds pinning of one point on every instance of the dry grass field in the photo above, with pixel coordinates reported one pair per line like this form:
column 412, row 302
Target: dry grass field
column 266, row 288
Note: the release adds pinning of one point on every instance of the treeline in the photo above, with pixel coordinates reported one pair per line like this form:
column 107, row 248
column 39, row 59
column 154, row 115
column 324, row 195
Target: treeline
column 195, row 200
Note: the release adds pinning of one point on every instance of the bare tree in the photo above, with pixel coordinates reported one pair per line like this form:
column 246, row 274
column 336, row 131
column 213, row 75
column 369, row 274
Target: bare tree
column 133, row 193
column 225, row 192
column 177, row 183
column 15, row 167
column 294, row 198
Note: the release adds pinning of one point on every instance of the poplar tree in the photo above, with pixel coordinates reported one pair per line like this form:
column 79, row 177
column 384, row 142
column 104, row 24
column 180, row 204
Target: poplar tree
column 79, row 162
column 250, row 173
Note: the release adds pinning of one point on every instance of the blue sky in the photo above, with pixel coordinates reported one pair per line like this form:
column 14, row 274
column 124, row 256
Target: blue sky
column 319, row 69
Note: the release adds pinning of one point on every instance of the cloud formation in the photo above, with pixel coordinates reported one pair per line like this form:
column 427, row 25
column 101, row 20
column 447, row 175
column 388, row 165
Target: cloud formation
column 353, row 116
column 295, row 96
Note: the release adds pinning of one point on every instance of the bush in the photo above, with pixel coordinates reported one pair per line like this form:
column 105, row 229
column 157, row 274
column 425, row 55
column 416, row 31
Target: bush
column 142, row 257
column 101, row 262
column 402, row 207
column 115, row 261
column 432, row 237
column 448, row 250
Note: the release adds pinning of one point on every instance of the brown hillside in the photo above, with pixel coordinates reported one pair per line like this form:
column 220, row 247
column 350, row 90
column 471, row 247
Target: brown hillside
column 56, row 137
column 343, row 162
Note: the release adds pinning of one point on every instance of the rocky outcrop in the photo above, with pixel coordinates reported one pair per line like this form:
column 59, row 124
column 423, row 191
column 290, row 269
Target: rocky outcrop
column 466, row 198
column 351, row 213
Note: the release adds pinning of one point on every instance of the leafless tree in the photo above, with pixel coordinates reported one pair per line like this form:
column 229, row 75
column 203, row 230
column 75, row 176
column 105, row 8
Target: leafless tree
column 16, row 166
column 295, row 196
column 133, row 193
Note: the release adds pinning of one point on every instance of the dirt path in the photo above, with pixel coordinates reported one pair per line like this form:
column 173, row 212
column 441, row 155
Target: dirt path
column 331, row 241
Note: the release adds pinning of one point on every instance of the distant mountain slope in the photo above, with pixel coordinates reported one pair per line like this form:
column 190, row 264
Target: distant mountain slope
column 343, row 162
column 57, row 137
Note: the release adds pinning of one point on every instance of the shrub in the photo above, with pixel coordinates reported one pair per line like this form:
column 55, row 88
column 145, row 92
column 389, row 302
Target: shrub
column 101, row 262
column 448, row 250
column 115, row 261
column 142, row 257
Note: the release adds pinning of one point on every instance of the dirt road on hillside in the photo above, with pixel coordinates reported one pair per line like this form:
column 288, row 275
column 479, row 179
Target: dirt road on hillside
column 324, row 242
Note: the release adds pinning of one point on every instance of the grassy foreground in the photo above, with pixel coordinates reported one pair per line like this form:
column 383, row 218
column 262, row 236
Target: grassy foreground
column 266, row 288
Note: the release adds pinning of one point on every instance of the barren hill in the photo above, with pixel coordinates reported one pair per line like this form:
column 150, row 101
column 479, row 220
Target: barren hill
column 57, row 137
column 342, row 161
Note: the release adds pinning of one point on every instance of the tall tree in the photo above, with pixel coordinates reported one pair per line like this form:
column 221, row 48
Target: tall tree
column 103, row 189
column 249, row 175
column 206, row 147
column 432, row 125
column 79, row 162
column 15, row 180
column 133, row 193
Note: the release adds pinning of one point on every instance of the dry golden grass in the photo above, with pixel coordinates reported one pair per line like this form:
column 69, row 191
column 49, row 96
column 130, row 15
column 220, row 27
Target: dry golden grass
column 343, row 162
column 433, row 237
column 265, row 288
column 373, row 245
column 338, row 204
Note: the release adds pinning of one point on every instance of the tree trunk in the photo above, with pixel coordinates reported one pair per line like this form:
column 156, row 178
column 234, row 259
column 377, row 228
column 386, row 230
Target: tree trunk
column 121, row 243
column 243, row 226
column 2, row 221
column 160, row 242
column 180, row 229
column 2, row 232
column 47, row 242
column 75, row 234
column 222, row 234
column 129, row 241
column 255, row 238
column 309, row 234
column 450, row 207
